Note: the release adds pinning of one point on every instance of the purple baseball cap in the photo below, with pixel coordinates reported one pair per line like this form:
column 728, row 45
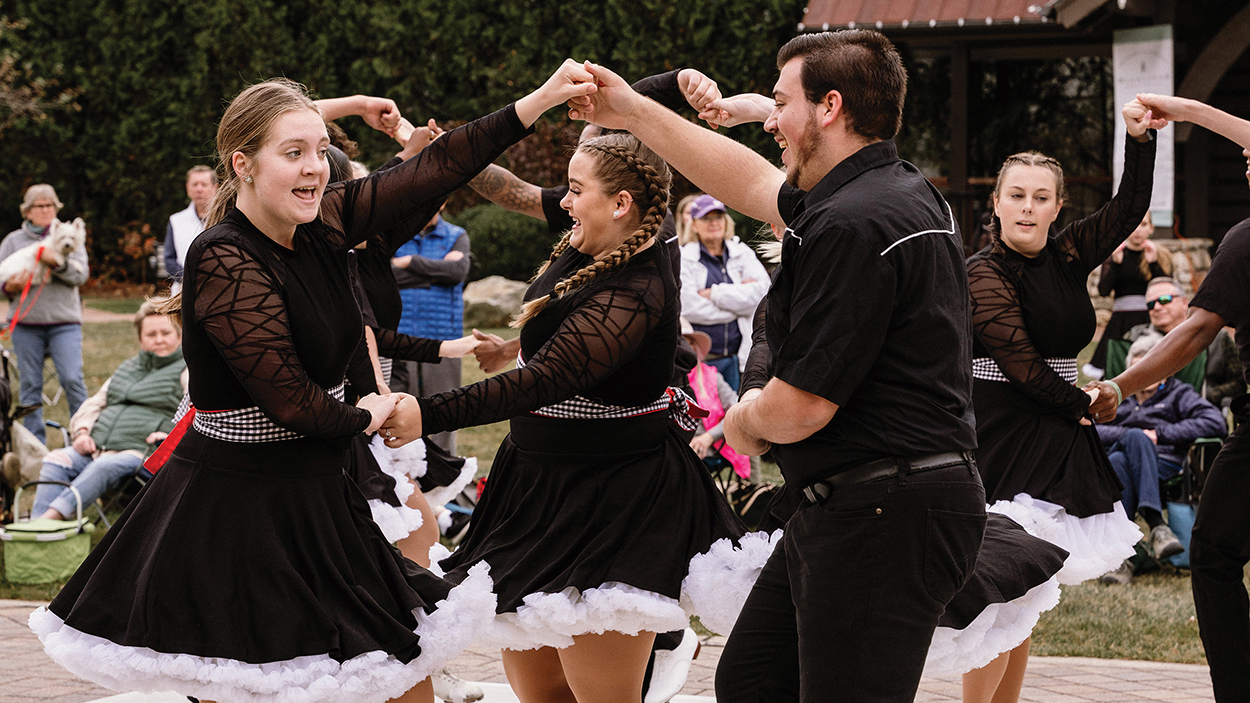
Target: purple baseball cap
column 705, row 204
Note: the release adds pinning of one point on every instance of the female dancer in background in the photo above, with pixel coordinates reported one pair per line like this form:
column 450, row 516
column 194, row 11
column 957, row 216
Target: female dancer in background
column 600, row 524
column 1040, row 460
column 249, row 568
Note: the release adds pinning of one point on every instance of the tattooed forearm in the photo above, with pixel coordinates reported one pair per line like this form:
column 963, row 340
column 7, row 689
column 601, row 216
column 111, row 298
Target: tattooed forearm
column 502, row 187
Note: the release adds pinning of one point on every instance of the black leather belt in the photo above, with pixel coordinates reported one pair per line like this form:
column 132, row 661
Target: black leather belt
column 884, row 468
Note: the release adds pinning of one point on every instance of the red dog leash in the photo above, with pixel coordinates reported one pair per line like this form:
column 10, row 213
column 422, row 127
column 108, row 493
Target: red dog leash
column 18, row 313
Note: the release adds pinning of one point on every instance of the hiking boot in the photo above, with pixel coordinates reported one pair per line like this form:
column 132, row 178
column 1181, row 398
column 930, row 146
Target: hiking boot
column 1164, row 544
column 1122, row 576
column 452, row 689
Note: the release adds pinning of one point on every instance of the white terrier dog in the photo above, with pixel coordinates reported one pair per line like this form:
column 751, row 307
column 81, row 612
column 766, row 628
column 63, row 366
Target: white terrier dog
column 63, row 238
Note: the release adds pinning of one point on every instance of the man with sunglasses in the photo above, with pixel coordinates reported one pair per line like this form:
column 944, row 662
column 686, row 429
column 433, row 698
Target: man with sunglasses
column 1168, row 307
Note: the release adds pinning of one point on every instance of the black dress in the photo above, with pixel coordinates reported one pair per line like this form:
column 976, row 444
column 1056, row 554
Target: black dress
column 1031, row 317
column 248, row 568
column 597, row 514
column 1126, row 282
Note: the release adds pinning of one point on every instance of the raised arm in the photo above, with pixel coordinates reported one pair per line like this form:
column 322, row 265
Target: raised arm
column 1093, row 239
column 379, row 113
column 1185, row 110
column 673, row 89
column 717, row 165
column 505, row 189
column 416, row 188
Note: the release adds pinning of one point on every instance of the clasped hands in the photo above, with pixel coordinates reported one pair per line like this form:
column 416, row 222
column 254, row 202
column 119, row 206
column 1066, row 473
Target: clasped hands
column 394, row 416
column 1102, row 404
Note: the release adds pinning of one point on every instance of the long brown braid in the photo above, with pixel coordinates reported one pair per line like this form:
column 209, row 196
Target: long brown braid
column 622, row 163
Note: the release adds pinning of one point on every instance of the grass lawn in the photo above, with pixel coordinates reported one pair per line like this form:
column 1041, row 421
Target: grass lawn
column 125, row 306
column 1151, row 619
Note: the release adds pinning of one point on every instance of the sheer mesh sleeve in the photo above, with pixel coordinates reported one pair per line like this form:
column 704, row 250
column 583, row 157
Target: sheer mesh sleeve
column 998, row 323
column 1094, row 238
column 759, row 367
column 240, row 308
column 602, row 333
column 404, row 346
column 415, row 189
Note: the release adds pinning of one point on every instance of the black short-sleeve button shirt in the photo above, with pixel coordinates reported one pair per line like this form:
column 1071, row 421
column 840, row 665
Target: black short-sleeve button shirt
column 871, row 311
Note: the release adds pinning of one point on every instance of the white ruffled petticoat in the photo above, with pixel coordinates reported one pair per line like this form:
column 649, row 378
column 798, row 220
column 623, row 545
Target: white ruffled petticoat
column 409, row 460
column 715, row 589
column 1095, row 544
column 396, row 522
column 373, row 677
column 1001, row 627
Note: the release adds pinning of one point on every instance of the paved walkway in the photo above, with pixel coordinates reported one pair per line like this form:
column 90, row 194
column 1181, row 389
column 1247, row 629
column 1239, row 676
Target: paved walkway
column 27, row 675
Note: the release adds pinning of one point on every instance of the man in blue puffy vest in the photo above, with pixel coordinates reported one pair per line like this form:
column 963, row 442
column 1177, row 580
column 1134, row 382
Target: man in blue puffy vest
column 431, row 270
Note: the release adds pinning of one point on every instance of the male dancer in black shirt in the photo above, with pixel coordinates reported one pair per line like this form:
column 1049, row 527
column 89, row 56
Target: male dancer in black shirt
column 870, row 407
column 1220, row 546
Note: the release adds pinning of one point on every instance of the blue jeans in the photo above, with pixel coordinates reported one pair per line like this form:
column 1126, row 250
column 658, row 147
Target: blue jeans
column 1136, row 461
column 728, row 367
column 64, row 344
column 91, row 478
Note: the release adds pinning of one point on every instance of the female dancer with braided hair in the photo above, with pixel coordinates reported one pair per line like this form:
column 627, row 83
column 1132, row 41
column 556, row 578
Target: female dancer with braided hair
column 598, row 519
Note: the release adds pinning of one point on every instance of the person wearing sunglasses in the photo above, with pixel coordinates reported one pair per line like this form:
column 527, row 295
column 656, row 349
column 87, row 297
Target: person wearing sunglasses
column 1168, row 306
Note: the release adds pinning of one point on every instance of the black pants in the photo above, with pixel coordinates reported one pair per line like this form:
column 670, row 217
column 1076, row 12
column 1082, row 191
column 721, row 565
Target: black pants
column 845, row 608
column 1220, row 549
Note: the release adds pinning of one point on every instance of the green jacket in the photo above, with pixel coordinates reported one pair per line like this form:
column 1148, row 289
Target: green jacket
column 143, row 395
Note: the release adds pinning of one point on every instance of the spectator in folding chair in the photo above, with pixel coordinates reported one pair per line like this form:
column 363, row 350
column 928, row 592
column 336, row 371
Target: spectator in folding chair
column 115, row 428
column 1146, row 444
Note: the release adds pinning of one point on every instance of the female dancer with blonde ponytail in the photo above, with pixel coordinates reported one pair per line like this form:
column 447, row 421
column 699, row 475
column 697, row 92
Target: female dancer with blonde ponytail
column 249, row 568
column 600, row 525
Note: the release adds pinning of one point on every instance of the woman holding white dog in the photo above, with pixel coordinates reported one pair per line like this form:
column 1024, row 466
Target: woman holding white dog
column 45, row 313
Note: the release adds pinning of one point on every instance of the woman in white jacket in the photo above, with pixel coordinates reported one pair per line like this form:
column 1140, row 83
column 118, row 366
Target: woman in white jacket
column 721, row 284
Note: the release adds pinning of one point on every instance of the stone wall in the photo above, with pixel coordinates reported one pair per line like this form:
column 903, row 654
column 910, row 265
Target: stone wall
column 1190, row 260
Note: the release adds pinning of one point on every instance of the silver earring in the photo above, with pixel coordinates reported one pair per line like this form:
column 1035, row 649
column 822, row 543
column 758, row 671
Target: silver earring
column 247, row 179
column 616, row 213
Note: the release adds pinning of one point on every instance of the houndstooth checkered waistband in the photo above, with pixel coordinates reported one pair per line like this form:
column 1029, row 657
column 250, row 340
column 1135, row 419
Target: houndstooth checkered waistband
column 248, row 425
column 674, row 401
column 987, row 369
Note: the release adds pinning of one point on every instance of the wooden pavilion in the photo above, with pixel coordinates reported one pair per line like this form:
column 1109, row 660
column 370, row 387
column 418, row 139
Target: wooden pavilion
column 1212, row 64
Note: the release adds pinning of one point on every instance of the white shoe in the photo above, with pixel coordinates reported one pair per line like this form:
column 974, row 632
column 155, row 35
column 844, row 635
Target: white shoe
column 671, row 668
column 452, row 689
